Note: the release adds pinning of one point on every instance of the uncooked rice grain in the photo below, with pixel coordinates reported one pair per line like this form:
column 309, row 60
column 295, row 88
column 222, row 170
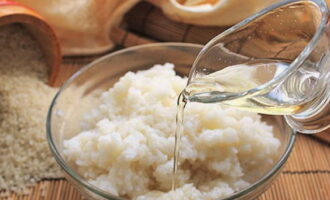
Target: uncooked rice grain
column 24, row 100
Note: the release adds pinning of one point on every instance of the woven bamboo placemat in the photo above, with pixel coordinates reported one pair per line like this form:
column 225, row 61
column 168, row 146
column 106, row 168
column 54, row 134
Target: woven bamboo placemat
column 306, row 175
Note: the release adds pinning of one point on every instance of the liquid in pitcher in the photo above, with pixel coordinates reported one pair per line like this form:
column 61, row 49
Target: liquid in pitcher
column 240, row 86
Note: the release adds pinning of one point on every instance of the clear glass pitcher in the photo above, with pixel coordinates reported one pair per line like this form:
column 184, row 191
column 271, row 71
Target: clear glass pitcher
column 295, row 32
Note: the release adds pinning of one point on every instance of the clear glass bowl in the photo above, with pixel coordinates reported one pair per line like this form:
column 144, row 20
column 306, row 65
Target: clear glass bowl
column 74, row 99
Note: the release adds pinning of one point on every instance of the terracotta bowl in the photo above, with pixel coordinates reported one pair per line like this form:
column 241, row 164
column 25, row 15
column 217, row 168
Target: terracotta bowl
column 13, row 12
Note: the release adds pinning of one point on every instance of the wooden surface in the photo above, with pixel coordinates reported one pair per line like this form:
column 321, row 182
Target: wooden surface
column 306, row 175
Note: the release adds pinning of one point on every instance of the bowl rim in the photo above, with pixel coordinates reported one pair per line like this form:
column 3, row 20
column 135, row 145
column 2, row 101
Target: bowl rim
column 80, row 180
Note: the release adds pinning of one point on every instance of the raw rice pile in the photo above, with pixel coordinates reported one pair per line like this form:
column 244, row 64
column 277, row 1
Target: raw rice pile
column 127, row 146
column 24, row 101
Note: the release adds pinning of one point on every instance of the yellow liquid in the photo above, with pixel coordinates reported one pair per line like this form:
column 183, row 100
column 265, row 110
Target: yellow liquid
column 178, row 132
column 224, row 87
column 236, row 86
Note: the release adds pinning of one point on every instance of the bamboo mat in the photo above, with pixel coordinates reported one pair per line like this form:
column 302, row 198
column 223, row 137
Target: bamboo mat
column 145, row 23
column 306, row 176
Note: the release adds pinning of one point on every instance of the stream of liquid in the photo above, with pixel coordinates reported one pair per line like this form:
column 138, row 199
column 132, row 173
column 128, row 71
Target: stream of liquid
column 181, row 104
column 230, row 85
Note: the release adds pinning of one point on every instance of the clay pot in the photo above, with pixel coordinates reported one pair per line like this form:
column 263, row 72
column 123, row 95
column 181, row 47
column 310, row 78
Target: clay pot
column 13, row 12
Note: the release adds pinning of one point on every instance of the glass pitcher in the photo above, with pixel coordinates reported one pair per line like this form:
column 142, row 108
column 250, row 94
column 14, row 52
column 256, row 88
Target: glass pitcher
column 293, row 31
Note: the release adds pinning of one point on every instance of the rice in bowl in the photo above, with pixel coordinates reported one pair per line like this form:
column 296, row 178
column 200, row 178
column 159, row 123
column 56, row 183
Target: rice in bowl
column 126, row 146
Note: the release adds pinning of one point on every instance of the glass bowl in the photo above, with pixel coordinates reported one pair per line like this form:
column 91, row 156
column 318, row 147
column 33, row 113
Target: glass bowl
column 75, row 98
